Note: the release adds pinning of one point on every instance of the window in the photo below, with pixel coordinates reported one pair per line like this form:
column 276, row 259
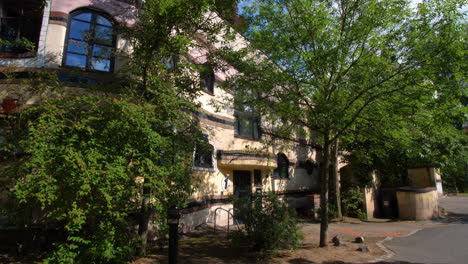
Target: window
column 257, row 177
column 310, row 166
column 170, row 62
column 282, row 171
column 203, row 157
column 247, row 125
column 207, row 79
column 20, row 20
column 90, row 41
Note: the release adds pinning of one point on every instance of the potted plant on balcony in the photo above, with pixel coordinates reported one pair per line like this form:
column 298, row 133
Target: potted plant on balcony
column 19, row 48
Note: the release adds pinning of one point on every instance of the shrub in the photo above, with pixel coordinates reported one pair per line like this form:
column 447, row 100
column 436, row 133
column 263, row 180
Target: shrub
column 332, row 212
column 85, row 158
column 268, row 224
column 351, row 203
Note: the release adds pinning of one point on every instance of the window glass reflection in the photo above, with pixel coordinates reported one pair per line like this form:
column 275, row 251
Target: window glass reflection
column 77, row 46
column 84, row 16
column 103, row 35
column 80, row 30
column 100, row 64
column 90, row 41
column 76, row 60
column 102, row 21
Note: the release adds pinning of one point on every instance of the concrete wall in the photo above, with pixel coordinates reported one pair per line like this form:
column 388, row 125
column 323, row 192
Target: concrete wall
column 370, row 202
column 438, row 180
column 421, row 177
column 425, row 177
column 417, row 204
column 370, row 196
column 207, row 216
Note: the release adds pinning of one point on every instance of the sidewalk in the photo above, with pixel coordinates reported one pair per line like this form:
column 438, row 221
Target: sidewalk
column 202, row 246
column 351, row 228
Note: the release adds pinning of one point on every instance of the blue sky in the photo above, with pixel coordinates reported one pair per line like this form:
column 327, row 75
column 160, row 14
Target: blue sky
column 413, row 3
column 241, row 4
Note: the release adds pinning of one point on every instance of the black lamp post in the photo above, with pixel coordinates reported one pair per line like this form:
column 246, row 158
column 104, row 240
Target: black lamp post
column 173, row 222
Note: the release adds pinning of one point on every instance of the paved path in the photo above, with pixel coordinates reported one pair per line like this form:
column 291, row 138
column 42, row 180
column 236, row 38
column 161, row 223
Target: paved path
column 373, row 228
column 447, row 243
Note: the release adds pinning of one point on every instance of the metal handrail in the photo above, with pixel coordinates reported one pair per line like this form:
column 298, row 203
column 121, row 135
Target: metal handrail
column 233, row 219
column 229, row 215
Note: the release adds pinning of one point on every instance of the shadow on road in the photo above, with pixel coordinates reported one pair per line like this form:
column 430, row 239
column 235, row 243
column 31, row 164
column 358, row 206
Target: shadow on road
column 305, row 261
column 454, row 218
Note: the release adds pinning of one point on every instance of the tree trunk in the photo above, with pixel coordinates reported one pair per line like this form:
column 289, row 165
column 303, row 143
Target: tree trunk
column 144, row 221
column 324, row 193
column 336, row 179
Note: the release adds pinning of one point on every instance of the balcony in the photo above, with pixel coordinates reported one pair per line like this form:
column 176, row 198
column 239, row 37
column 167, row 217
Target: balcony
column 241, row 159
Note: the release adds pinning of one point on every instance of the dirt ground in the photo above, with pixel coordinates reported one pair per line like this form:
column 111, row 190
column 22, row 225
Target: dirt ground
column 208, row 248
column 205, row 247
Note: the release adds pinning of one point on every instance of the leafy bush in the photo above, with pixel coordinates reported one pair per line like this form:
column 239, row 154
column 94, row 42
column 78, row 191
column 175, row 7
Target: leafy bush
column 88, row 160
column 268, row 224
column 351, row 203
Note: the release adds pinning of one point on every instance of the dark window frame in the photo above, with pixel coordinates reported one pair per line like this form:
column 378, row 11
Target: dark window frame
column 204, row 159
column 32, row 21
column 91, row 42
column 207, row 79
column 282, row 171
column 171, row 62
column 240, row 130
column 258, row 178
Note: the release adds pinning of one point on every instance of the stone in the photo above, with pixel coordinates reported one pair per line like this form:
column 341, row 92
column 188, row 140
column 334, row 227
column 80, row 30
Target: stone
column 359, row 240
column 337, row 241
column 363, row 248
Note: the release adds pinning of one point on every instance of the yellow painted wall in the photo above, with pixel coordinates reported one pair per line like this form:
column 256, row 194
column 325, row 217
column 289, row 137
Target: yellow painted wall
column 417, row 206
column 421, row 177
column 54, row 45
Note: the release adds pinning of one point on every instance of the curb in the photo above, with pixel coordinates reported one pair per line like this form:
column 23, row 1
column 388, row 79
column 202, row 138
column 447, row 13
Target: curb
column 388, row 252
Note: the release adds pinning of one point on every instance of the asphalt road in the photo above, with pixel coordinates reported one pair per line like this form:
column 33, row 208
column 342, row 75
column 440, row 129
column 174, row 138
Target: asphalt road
column 442, row 244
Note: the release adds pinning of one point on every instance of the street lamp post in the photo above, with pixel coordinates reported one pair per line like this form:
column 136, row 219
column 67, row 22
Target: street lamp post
column 173, row 222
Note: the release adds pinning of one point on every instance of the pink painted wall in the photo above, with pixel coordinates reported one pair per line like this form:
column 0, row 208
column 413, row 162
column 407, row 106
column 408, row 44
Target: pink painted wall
column 121, row 11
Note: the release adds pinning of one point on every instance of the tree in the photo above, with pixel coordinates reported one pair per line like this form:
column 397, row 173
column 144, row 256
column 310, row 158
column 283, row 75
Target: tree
column 159, row 72
column 86, row 161
column 422, row 129
column 324, row 65
column 95, row 163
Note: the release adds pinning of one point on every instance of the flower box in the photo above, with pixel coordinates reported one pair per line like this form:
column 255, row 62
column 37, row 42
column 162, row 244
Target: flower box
column 11, row 55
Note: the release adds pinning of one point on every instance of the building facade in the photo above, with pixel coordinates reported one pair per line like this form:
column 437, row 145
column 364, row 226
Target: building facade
column 240, row 163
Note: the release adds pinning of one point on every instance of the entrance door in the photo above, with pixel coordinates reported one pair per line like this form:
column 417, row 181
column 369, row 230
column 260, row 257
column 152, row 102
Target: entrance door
column 242, row 190
column 242, row 184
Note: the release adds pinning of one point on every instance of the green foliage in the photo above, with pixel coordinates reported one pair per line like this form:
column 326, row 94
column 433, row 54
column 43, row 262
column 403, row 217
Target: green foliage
column 17, row 46
column 332, row 212
column 85, row 156
column 455, row 175
column 351, row 203
column 93, row 163
column 165, row 33
column 268, row 224
column 422, row 127
column 338, row 68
